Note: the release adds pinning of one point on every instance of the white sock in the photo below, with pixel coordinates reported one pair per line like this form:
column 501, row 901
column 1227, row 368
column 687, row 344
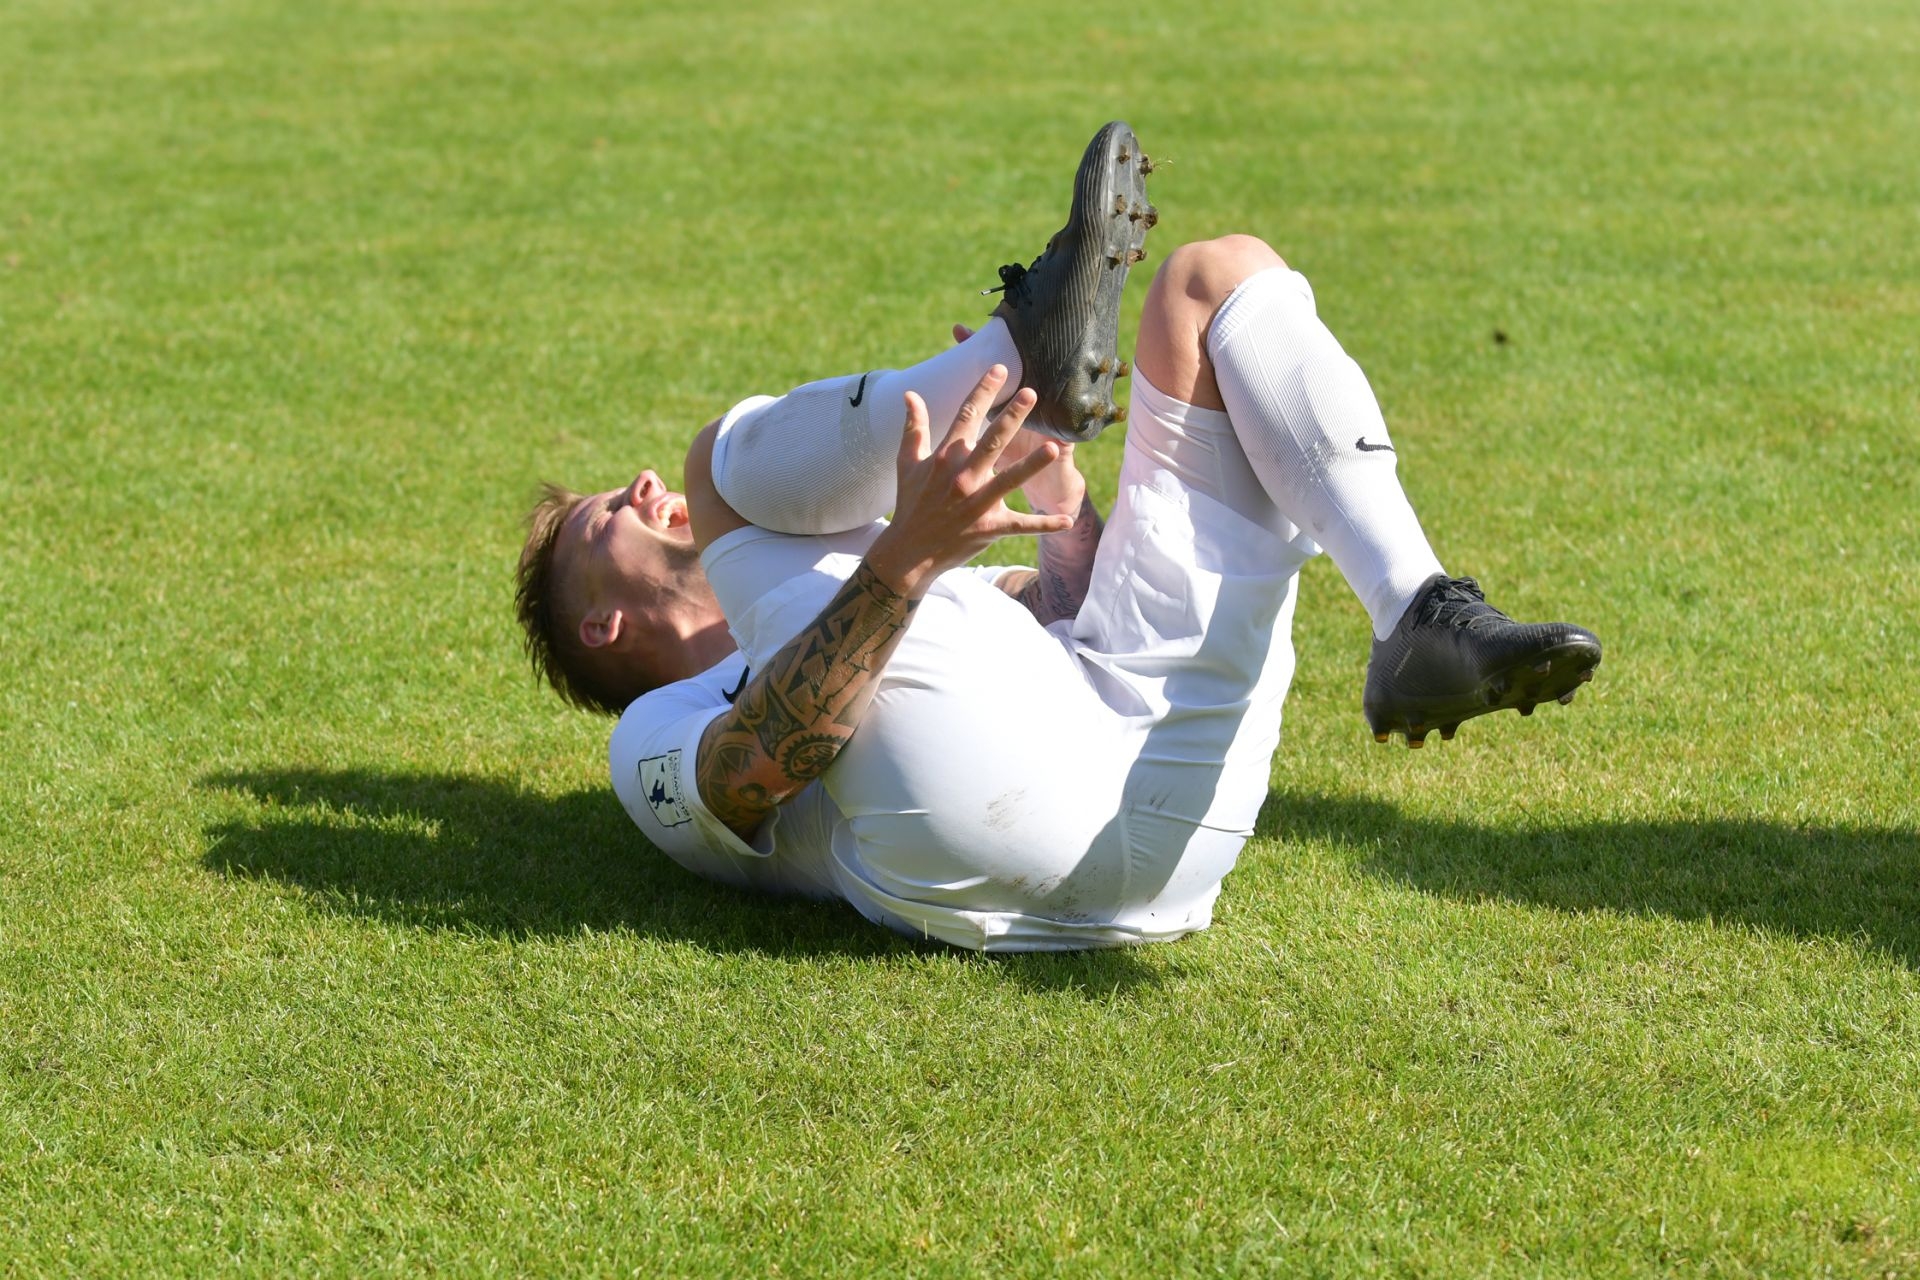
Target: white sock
column 1308, row 421
column 820, row 459
column 947, row 379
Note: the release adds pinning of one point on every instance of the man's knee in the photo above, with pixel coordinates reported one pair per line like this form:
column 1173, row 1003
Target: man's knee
column 1206, row 272
column 1188, row 288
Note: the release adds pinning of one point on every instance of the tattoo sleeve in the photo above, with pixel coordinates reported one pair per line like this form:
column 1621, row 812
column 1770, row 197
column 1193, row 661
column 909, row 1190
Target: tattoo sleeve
column 1066, row 568
column 794, row 716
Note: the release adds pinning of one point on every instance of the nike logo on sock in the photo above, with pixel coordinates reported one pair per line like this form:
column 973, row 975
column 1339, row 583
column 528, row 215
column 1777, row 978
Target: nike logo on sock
column 860, row 392
column 1362, row 445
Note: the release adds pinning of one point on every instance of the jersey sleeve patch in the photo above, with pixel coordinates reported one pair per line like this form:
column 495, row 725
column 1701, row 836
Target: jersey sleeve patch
column 660, row 783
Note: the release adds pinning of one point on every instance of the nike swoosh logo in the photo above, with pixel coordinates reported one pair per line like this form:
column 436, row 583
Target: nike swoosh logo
column 860, row 393
column 1362, row 445
column 734, row 694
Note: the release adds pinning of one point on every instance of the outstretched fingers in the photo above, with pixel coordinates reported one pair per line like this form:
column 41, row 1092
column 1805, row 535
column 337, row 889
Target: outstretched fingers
column 913, row 436
column 967, row 459
column 975, row 408
column 1020, row 522
column 996, row 486
column 1003, row 428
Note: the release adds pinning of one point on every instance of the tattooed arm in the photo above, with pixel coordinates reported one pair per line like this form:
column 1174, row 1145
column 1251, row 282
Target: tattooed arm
column 1066, row 558
column 791, row 720
column 1059, row 587
column 794, row 716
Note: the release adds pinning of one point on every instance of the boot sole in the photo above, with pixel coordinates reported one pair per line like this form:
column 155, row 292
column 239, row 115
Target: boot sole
column 1105, row 236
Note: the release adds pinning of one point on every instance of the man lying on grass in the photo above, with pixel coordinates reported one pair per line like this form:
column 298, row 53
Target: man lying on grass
column 815, row 700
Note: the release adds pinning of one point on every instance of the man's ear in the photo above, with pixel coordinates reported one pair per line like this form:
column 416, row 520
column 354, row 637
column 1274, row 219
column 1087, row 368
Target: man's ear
column 601, row 627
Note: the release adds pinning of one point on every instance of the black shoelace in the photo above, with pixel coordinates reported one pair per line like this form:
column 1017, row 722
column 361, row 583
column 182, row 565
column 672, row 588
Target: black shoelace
column 1013, row 280
column 1454, row 600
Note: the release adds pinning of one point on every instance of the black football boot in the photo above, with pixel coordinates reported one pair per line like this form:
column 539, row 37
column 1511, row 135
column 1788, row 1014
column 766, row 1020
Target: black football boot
column 1454, row 656
column 1064, row 308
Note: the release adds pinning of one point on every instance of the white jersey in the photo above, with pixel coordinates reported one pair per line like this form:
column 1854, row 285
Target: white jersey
column 1014, row 787
column 938, row 796
column 652, row 758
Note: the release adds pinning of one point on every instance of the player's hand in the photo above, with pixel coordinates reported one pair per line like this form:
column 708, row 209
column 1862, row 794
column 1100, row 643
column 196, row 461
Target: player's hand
column 952, row 496
column 1058, row 489
column 1055, row 490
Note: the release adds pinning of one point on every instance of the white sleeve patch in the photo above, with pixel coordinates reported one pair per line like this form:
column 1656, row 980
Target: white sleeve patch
column 660, row 783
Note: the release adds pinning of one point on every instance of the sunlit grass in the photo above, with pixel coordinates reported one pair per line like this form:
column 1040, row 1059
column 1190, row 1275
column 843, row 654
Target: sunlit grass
column 324, row 947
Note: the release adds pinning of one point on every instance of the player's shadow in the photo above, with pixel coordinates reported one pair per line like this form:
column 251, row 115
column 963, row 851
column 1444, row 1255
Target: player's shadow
column 446, row 851
column 1860, row 885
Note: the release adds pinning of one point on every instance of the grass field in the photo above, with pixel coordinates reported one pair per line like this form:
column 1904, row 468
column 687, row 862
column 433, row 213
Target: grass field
column 325, row 949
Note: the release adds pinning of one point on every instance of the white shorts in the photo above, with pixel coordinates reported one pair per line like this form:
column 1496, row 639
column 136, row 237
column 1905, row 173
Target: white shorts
column 1020, row 788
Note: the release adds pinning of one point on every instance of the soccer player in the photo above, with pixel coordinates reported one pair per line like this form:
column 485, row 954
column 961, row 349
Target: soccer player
column 815, row 700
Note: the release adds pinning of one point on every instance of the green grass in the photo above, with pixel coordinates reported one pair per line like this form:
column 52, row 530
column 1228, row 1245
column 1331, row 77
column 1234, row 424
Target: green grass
column 325, row 949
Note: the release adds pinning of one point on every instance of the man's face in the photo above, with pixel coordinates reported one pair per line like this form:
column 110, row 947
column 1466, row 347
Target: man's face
column 625, row 556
